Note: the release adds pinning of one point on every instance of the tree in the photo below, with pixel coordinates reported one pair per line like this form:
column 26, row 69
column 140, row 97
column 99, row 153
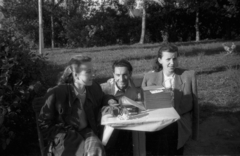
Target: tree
column 20, row 70
column 52, row 10
column 41, row 38
column 138, row 8
column 21, row 17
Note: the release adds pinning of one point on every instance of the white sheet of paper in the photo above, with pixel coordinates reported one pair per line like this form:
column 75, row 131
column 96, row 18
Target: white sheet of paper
column 156, row 91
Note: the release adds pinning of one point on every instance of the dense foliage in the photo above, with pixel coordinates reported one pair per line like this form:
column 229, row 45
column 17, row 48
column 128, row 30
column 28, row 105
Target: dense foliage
column 86, row 24
column 20, row 70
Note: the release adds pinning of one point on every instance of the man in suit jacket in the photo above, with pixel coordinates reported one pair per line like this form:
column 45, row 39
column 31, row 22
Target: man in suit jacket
column 184, row 85
column 122, row 85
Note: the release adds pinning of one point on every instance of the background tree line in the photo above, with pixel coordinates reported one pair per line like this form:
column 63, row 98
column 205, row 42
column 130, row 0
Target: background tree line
column 86, row 23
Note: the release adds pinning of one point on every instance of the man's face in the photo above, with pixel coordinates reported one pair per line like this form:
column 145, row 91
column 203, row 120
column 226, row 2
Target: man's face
column 121, row 77
column 168, row 61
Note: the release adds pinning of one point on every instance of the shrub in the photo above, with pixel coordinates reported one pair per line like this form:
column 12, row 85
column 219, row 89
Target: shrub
column 20, row 69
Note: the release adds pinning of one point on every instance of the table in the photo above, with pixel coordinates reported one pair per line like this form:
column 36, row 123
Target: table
column 145, row 121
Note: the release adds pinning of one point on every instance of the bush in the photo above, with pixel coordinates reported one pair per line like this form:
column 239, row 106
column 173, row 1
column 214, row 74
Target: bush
column 20, row 69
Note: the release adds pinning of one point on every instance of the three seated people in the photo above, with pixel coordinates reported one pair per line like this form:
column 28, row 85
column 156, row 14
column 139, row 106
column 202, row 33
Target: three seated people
column 70, row 117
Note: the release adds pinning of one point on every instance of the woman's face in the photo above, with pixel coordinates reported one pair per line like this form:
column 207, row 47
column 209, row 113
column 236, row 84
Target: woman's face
column 168, row 61
column 85, row 75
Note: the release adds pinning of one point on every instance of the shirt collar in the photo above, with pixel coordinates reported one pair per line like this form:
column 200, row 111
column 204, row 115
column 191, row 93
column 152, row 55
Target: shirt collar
column 116, row 89
column 168, row 77
column 76, row 92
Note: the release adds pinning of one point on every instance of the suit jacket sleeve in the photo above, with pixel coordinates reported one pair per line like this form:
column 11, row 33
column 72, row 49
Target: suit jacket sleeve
column 195, row 108
column 106, row 87
column 48, row 116
column 105, row 97
column 144, row 82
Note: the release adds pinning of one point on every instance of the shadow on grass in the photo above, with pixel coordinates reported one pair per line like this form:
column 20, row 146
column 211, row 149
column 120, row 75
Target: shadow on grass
column 197, row 51
column 141, row 46
column 218, row 69
column 190, row 53
column 210, row 51
column 208, row 109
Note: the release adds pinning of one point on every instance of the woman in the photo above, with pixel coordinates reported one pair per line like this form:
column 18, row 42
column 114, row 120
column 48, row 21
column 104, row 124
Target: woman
column 171, row 140
column 69, row 120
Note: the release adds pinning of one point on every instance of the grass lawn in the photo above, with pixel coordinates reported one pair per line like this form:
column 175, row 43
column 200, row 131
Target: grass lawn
column 218, row 73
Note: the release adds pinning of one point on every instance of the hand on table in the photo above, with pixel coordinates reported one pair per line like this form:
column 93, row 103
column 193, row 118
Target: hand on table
column 113, row 108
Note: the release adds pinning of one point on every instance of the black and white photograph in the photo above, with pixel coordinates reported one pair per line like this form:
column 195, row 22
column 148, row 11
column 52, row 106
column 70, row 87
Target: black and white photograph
column 119, row 77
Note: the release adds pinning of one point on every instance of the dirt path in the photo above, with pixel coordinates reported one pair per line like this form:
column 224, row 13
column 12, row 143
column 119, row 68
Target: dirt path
column 218, row 135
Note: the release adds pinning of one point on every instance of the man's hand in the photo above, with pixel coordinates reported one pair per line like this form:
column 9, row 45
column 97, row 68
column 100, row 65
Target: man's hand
column 113, row 108
column 113, row 102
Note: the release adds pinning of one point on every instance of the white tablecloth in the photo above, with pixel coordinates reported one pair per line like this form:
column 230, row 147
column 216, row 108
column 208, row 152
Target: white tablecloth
column 149, row 120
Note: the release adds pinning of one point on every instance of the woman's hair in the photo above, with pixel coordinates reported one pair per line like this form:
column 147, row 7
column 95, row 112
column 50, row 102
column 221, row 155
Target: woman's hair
column 72, row 67
column 169, row 47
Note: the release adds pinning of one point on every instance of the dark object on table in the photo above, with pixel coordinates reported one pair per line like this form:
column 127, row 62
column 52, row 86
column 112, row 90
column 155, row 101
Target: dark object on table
column 132, row 110
column 157, row 97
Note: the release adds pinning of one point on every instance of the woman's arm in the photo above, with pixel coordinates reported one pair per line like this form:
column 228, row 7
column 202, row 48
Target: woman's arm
column 48, row 116
column 195, row 114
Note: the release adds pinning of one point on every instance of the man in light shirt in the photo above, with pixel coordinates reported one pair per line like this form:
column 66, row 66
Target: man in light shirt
column 122, row 85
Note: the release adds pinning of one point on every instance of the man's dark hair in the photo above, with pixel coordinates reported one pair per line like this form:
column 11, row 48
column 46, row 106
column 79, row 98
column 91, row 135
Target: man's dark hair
column 122, row 63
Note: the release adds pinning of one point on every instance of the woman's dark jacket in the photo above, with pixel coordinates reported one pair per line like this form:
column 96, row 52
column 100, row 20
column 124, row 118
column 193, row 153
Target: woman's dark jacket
column 60, row 111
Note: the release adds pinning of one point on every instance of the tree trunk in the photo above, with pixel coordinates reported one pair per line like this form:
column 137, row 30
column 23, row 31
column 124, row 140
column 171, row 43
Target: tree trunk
column 52, row 25
column 52, row 30
column 197, row 23
column 143, row 24
column 68, row 6
column 41, row 38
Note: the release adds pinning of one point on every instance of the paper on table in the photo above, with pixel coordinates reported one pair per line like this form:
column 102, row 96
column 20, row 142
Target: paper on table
column 155, row 91
column 126, row 101
column 153, row 87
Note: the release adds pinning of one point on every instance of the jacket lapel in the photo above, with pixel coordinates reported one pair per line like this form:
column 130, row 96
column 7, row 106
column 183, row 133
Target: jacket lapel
column 72, row 95
column 112, row 88
column 88, row 108
column 178, row 89
column 159, row 78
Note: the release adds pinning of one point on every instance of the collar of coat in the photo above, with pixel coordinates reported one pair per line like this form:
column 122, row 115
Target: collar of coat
column 73, row 96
